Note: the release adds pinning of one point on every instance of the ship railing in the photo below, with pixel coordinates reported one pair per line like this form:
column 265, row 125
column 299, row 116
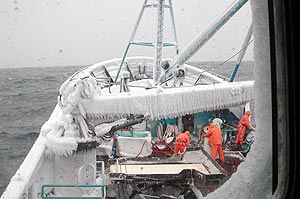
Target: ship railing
column 100, row 175
column 100, row 184
column 46, row 196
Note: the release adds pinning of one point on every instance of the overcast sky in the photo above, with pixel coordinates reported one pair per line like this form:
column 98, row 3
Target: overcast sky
column 83, row 32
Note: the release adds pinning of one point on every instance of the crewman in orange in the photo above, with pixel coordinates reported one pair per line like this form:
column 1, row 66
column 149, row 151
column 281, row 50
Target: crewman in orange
column 215, row 141
column 243, row 125
column 182, row 142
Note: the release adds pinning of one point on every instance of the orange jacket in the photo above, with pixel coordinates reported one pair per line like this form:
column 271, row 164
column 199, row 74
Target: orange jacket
column 183, row 138
column 244, row 121
column 214, row 134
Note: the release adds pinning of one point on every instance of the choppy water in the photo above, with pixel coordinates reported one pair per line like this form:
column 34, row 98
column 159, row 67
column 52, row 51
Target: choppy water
column 28, row 97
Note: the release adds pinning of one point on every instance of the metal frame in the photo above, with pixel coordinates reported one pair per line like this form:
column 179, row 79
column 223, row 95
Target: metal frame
column 158, row 44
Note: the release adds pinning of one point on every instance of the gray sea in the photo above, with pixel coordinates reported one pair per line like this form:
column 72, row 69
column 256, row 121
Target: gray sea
column 28, row 97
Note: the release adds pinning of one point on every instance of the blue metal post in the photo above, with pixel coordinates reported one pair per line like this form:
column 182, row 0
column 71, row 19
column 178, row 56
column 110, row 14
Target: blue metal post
column 242, row 53
column 121, row 63
column 236, row 67
column 131, row 37
column 43, row 196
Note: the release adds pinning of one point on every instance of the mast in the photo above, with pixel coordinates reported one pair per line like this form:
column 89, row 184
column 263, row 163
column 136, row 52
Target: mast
column 201, row 39
column 159, row 43
column 242, row 53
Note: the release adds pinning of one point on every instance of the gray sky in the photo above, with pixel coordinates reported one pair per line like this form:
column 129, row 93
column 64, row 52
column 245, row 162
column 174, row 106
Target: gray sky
column 83, row 32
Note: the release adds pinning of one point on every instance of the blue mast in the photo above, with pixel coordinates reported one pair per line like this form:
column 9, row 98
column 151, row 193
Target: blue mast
column 242, row 53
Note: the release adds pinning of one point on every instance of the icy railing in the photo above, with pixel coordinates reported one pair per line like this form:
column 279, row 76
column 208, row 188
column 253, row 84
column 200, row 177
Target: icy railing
column 170, row 103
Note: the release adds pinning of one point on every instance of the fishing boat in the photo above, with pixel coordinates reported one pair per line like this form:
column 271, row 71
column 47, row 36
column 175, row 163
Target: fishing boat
column 112, row 132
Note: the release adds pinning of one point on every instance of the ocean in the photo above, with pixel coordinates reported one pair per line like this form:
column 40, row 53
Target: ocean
column 29, row 95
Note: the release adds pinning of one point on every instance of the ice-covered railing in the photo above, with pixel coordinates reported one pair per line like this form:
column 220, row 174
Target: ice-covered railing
column 136, row 63
column 172, row 102
column 66, row 127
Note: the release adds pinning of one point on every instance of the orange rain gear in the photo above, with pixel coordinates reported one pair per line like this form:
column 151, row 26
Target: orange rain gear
column 243, row 125
column 215, row 141
column 182, row 141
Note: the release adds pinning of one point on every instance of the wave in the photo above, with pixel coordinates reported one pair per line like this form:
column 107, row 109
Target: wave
column 3, row 133
column 30, row 135
column 6, row 139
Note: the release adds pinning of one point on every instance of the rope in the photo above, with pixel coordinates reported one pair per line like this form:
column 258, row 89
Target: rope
column 161, row 150
column 141, row 149
column 116, row 148
column 235, row 54
column 227, row 59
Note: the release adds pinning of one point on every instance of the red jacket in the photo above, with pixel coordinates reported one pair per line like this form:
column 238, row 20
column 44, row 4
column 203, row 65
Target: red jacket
column 214, row 134
column 183, row 137
column 244, row 121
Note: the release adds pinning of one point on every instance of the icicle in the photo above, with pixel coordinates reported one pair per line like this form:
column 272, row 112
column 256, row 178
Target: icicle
column 83, row 126
column 62, row 146
column 172, row 102
column 81, row 110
